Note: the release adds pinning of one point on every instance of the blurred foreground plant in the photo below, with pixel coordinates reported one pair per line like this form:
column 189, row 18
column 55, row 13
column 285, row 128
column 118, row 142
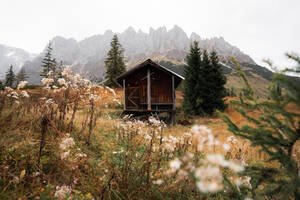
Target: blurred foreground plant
column 276, row 132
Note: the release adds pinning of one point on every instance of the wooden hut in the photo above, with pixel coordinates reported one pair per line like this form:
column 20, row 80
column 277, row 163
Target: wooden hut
column 149, row 88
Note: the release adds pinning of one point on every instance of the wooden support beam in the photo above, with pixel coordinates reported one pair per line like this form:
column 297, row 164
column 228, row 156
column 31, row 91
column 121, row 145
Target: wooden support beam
column 146, row 76
column 173, row 92
column 173, row 113
column 124, row 87
column 173, row 120
column 148, row 89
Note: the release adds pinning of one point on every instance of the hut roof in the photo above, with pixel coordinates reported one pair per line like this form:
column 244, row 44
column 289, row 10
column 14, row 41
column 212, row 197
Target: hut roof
column 146, row 63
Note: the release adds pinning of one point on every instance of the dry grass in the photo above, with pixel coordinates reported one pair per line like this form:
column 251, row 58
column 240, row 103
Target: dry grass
column 242, row 148
column 116, row 166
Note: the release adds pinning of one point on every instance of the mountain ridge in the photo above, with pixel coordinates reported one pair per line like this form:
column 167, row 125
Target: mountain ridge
column 167, row 47
column 87, row 56
column 162, row 45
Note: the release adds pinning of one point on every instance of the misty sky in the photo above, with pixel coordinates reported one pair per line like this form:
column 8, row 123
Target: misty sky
column 260, row 28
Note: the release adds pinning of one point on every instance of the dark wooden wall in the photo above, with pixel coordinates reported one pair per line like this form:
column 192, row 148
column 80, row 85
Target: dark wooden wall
column 136, row 88
column 161, row 87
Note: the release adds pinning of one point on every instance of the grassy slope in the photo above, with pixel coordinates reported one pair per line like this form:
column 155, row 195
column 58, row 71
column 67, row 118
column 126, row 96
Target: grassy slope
column 258, row 76
column 19, row 144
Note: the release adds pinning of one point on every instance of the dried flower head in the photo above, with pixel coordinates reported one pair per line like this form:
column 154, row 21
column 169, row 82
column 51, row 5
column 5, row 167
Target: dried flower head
column 62, row 192
column 22, row 84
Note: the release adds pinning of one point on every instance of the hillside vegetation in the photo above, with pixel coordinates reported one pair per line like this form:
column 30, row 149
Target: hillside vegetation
column 259, row 77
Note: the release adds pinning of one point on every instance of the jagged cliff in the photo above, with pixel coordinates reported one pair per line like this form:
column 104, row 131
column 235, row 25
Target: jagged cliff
column 87, row 56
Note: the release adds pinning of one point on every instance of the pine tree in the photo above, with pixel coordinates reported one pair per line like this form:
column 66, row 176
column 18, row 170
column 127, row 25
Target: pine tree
column 275, row 131
column 48, row 63
column 114, row 62
column 21, row 76
column 10, row 77
column 216, row 81
column 193, row 81
column 204, row 83
column 1, row 86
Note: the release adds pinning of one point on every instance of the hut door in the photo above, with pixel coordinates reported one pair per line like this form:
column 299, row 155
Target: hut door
column 133, row 97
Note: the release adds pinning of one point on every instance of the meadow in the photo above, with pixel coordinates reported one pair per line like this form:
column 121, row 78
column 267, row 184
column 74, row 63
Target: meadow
column 70, row 141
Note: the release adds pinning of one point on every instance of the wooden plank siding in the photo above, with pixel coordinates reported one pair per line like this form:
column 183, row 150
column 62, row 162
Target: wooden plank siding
column 149, row 87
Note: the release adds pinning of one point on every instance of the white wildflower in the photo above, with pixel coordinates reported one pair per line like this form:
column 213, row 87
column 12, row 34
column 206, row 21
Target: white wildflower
column 81, row 155
column 93, row 97
column 203, row 136
column 8, row 89
column 244, row 180
column 86, row 82
column 155, row 122
column 14, row 95
column 61, row 81
column 66, row 143
column 209, row 186
column 148, row 137
column 62, row 192
column 65, row 154
column 157, row 182
column 35, row 174
column 25, row 94
column 169, row 147
column 175, row 164
column 226, row 147
column 236, row 167
column 22, row 84
column 232, row 139
column 208, row 172
column 47, row 81
column 200, row 129
column 216, row 159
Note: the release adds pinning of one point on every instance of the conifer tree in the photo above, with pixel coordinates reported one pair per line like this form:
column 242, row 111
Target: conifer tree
column 216, row 81
column 10, row 77
column 1, row 86
column 204, row 83
column 21, row 76
column 48, row 63
column 193, row 81
column 275, row 131
column 114, row 62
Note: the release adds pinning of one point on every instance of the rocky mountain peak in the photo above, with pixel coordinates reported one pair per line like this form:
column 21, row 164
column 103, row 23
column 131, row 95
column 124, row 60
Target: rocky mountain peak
column 90, row 53
column 108, row 33
column 129, row 30
column 195, row 36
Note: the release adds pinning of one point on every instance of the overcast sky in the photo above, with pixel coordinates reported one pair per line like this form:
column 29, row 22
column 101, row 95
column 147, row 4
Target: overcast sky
column 260, row 28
